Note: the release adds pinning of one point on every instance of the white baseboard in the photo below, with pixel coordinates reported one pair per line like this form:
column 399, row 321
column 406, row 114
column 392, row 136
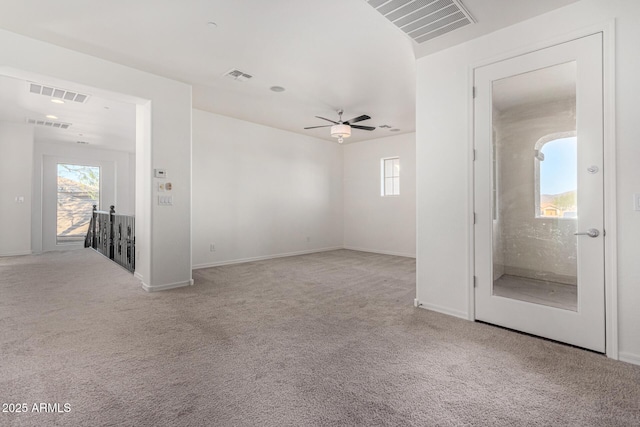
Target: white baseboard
column 629, row 358
column 262, row 258
column 138, row 276
column 376, row 251
column 16, row 254
column 443, row 310
column 167, row 286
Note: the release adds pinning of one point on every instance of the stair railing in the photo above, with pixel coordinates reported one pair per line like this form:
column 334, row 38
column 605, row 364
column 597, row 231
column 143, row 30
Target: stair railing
column 113, row 235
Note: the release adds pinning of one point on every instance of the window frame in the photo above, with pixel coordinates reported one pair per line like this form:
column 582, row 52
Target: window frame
column 538, row 156
column 395, row 192
column 87, row 164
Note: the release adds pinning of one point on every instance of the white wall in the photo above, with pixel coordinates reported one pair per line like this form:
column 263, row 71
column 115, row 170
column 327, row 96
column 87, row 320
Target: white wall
column 443, row 152
column 372, row 222
column 260, row 192
column 16, row 166
column 116, row 184
column 163, row 233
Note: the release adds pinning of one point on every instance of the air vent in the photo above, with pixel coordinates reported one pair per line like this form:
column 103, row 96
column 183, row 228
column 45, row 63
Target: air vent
column 49, row 123
column 424, row 20
column 52, row 92
column 238, row 75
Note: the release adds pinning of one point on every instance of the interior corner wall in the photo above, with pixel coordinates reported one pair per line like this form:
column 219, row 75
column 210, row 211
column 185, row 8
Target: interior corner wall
column 16, row 165
column 165, row 244
column 443, row 151
column 371, row 222
column 260, row 192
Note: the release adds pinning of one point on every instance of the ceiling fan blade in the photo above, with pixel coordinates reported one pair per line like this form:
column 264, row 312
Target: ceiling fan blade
column 363, row 127
column 335, row 123
column 314, row 127
column 357, row 119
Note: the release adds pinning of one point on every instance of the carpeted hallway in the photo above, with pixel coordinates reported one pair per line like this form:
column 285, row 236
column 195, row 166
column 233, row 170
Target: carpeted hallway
column 328, row 339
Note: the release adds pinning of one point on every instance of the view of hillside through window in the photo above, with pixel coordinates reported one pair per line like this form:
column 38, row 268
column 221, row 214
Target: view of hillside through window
column 559, row 179
column 78, row 190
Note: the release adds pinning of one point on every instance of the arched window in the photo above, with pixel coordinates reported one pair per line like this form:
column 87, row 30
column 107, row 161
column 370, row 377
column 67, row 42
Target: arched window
column 556, row 176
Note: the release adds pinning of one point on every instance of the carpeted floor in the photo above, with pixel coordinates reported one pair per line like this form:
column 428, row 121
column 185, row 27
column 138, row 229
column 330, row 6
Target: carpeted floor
column 329, row 339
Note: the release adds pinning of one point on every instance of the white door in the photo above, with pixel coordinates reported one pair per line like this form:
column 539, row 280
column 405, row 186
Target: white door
column 539, row 238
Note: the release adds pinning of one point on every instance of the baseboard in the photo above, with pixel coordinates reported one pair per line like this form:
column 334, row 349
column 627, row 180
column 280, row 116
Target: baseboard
column 168, row 286
column 262, row 258
column 16, row 254
column 629, row 358
column 138, row 276
column 443, row 310
column 376, row 251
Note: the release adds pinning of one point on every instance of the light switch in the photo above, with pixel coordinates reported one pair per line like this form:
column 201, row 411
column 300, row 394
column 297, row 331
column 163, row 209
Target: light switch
column 636, row 202
column 165, row 200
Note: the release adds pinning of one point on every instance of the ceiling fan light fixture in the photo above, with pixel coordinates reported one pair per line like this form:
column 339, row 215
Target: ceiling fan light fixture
column 341, row 131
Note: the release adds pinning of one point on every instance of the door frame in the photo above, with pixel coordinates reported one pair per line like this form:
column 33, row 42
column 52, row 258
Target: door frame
column 609, row 173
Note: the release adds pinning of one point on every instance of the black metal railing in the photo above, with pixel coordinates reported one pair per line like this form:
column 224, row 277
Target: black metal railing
column 113, row 235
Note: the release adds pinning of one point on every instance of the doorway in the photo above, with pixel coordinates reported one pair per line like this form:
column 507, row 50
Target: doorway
column 539, row 193
column 78, row 188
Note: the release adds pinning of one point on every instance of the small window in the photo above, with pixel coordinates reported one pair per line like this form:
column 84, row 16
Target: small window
column 390, row 173
column 556, row 169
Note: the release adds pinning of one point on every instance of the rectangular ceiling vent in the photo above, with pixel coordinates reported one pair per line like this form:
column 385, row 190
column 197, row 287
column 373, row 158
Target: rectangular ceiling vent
column 238, row 75
column 62, row 94
column 48, row 123
column 424, row 20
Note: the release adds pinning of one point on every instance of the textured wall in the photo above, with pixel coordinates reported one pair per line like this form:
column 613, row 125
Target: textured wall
column 542, row 248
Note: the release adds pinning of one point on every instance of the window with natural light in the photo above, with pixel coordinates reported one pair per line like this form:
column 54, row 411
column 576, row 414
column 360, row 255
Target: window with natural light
column 556, row 162
column 78, row 191
column 390, row 173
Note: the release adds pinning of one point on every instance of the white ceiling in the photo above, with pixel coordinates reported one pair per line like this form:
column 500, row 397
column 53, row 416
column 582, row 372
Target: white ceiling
column 100, row 122
column 328, row 54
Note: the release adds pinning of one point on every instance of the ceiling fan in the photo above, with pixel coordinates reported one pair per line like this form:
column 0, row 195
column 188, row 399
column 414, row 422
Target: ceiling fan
column 342, row 129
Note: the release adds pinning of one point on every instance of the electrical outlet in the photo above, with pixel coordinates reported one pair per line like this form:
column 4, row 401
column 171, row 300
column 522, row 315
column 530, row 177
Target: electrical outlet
column 212, row 248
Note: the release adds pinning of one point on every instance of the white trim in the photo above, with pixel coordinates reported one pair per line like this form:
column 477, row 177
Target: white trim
column 138, row 276
column 610, row 191
column 16, row 254
column 262, row 258
column 376, row 251
column 471, row 188
column 444, row 310
column 611, row 258
column 167, row 286
column 629, row 357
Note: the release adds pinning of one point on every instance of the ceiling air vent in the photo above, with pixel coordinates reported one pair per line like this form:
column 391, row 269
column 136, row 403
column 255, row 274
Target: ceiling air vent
column 424, row 20
column 52, row 92
column 238, row 75
column 48, row 123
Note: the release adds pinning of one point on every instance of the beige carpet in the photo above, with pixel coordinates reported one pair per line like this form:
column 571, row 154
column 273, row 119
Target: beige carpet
column 328, row 339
